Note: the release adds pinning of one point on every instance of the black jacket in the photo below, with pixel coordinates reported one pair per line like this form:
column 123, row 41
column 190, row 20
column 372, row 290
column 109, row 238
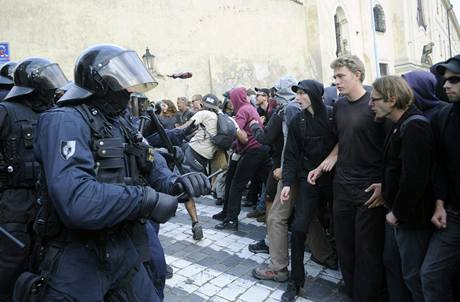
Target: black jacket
column 272, row 135
column 446, row 124
column 407, row 157
column 310, row 139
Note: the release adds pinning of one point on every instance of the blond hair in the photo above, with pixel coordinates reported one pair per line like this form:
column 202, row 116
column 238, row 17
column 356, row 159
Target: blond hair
column 352, row 62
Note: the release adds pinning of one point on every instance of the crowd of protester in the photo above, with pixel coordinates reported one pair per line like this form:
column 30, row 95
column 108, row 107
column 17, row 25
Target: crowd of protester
column 366, row 178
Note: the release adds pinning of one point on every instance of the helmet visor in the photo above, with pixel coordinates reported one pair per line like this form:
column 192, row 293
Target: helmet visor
column 126, row 71
column 52, row 77
column 5, row 80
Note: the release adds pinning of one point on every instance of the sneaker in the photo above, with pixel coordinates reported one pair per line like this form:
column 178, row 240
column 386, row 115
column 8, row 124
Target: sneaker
column 258, row 247
column 231, row 225
column 197, row 231
column 169, row 272
column 261, row 218
column 219, row 202
column 219, row 216
column 332, row 264
column 264, row 272
column 254, row 214
column 292, row 291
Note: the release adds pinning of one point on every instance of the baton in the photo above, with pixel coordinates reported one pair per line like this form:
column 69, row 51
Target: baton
column 12, row 238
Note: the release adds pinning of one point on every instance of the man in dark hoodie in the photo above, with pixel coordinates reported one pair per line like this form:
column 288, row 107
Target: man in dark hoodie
column 442, row 261
column 423, row 85
column 310, row 139
column 278, row 216
column 250, row 157
column 406, row 186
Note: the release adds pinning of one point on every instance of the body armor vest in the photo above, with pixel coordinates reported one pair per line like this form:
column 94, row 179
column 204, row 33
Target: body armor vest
column 116, row 157
column 19, row 163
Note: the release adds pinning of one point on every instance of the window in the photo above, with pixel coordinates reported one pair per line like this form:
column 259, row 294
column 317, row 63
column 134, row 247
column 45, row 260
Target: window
column 341, row 32
column 383, row 69
column 420, row 15
column 379, row 19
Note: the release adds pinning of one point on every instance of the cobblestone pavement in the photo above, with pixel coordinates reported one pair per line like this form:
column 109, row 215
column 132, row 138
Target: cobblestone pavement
column 218, row 267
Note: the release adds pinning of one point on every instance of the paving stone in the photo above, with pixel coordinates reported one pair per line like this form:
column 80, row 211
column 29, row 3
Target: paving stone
column 209, row 289
column 223, row 280
column 219, row 267
column 231, row 291
column 255, row 293
column 204, row 276
column 231, row 261
column 191, row 270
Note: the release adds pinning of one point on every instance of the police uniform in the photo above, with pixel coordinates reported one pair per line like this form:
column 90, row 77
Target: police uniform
column 34, row 84
column 100, row 184
column 86, row 177
column 18, row 175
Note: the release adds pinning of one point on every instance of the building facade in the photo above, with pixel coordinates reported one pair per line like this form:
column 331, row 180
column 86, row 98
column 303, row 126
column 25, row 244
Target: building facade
column 225, row 43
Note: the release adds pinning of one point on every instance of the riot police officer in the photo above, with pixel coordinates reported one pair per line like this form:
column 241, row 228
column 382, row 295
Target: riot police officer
column 97, row 179
column 35, row 80
column 6, row 78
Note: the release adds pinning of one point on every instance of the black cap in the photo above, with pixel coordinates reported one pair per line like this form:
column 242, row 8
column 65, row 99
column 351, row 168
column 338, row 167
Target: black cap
column 263, row 90
column 211, row 101
column 312, row 87
column 452, row 64
column 250, row 92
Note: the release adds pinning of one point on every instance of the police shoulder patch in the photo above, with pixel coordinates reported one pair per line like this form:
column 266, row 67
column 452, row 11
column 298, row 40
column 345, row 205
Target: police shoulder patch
column 67, row 149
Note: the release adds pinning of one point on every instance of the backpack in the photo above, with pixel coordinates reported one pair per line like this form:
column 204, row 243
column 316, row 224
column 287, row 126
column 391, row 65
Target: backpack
column 226, row 132
column 418, row 117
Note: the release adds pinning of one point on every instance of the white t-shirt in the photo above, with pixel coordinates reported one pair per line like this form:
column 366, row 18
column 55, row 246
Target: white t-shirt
column 201, row 142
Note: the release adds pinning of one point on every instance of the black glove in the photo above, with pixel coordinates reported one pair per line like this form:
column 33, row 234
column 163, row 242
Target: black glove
column 193, row 184
column 145, row 157
column 190, row 129
column 157, row 206
column 178, row 154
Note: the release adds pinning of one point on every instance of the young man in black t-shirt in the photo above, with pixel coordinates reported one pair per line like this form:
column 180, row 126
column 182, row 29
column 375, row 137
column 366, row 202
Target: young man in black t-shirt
column 359, row 217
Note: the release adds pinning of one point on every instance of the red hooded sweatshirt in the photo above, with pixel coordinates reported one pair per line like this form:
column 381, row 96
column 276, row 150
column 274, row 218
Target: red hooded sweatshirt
column 244, row 114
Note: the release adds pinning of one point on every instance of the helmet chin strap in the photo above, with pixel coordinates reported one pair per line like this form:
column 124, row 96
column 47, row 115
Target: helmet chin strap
column 40, row 100
column 114, row 102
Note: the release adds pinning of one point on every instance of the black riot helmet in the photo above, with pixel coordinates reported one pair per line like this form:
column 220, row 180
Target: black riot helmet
column 106, row 68
column 6, row 73
column 38, row 75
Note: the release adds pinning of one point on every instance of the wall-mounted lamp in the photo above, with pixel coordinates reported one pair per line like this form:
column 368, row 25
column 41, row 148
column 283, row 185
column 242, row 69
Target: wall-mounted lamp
column 149, row 62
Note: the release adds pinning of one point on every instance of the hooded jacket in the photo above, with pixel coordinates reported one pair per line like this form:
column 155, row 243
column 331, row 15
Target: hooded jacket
column 244, row 114
column 310, row 136
column 284, row 93
column 423, row 85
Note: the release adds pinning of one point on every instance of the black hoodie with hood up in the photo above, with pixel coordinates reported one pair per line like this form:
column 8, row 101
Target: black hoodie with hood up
column 310, row 136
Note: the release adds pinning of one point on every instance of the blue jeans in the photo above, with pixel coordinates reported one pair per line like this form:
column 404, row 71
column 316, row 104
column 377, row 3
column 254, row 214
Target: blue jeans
column 261, row 202
column 403, row 256
column 442, row 261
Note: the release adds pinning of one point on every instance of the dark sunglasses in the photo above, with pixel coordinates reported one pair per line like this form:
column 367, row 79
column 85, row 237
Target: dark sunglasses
column 261, row 94
column 453, row 80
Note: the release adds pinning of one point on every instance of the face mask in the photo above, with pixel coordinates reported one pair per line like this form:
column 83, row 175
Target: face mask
column 117, row 100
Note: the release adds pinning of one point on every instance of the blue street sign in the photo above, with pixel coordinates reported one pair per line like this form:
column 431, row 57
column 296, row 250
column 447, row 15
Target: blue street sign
column 4, row 52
